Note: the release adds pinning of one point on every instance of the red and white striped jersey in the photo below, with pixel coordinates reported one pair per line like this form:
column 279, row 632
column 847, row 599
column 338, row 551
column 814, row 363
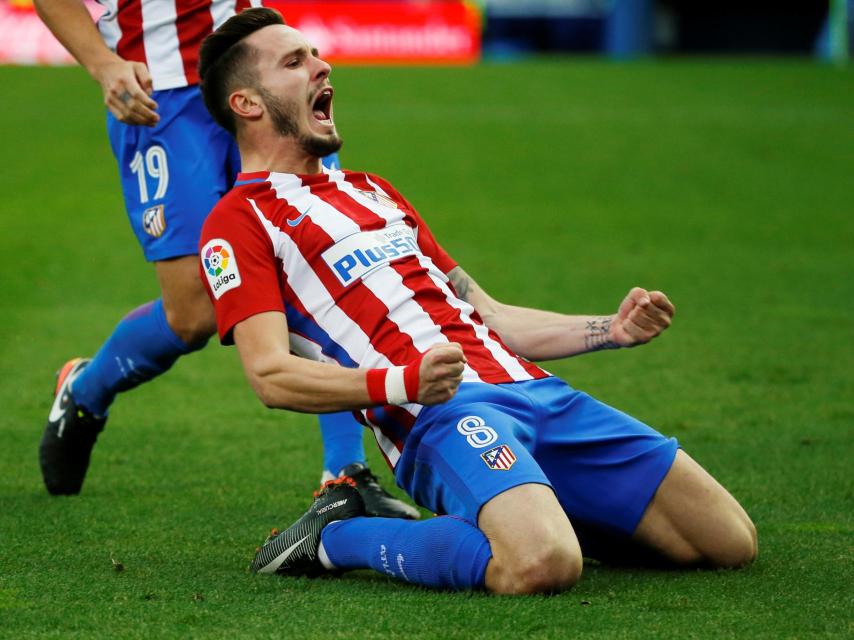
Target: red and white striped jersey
column 358, row 274
column 165, row 34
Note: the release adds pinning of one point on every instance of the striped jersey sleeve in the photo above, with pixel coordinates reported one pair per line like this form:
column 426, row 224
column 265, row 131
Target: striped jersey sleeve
column 238, row 266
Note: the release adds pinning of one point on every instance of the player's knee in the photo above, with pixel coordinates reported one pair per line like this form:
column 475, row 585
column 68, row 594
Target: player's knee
column 548, row 569
column 740, row 547
column 734, row 545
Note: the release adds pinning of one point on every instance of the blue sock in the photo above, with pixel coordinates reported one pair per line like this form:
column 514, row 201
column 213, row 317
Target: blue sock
column 443, row 553
column 342, row 441
column 141, row 347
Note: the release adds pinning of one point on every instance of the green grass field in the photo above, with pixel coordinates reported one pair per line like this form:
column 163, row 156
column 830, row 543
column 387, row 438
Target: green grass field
column 558, row 184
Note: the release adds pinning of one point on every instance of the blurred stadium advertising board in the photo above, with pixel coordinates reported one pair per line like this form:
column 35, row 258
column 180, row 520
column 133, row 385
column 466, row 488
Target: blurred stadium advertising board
column 388, row 32
column 25, row 40
column 383, row 32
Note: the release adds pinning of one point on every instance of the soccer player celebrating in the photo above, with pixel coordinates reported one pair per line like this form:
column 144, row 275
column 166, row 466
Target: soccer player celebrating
column 175, row 162
column 338, row 268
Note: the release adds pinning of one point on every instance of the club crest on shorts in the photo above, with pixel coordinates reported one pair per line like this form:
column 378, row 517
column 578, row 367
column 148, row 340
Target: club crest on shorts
column 500, row 458
column 153, row 221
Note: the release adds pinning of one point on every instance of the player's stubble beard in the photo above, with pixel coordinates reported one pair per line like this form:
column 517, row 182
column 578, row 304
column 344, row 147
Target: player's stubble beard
column 284, row 115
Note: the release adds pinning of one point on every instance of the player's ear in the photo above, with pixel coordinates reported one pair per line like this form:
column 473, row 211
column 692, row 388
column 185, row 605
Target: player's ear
column 246, row 103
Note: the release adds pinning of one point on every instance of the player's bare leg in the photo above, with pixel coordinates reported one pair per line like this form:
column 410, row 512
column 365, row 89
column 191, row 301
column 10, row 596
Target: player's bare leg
column 693, row 520
column 534, row 549
column 189, row 311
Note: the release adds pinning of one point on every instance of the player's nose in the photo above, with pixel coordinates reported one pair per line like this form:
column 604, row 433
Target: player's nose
column 322, row 69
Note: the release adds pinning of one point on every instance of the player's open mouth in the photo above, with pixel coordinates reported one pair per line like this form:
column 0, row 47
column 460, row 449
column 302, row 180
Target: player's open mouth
column 322, row 107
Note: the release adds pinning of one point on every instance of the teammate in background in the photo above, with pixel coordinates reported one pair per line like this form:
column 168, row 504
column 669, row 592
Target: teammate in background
column 337, row 267
column 175, row 162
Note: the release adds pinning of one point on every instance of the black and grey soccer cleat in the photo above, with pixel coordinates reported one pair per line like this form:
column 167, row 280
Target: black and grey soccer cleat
column 69, row 436
column 378, row 502
column 293, row 552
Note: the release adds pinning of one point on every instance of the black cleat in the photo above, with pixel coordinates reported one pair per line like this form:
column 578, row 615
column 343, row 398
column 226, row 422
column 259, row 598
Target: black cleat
column 378, row 502
column 293, row 552
column 69, row 436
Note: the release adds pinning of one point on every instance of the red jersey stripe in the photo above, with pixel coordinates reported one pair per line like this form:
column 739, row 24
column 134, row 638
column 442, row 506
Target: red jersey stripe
column 193, row 24
column 131, row 45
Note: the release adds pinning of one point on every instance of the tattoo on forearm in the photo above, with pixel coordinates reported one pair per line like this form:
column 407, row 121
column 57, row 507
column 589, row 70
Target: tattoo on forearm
column 596, row 334
column 461, row 281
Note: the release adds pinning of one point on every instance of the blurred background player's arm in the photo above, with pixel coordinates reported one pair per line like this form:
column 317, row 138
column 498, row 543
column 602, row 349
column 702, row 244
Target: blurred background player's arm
column 545, row 335
column 126, row 85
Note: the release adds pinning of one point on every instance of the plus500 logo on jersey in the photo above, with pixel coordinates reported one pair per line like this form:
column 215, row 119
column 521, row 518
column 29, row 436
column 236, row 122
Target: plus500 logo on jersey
column 358, row 255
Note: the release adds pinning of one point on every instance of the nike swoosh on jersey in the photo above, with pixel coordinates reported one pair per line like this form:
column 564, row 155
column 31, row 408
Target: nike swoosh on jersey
column 277, row 562
column 298, row 219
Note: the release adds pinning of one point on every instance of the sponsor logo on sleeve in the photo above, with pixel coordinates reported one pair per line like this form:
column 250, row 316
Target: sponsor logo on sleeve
column 360, row 254
column 220, row 266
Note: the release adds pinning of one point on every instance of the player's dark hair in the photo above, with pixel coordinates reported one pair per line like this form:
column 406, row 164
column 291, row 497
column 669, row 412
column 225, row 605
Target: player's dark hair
column 225, row 61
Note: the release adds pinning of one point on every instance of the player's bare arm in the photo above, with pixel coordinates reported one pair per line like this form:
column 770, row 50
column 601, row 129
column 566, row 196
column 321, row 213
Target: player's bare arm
column 285, row 381
column 126, row 85
column 544, row 335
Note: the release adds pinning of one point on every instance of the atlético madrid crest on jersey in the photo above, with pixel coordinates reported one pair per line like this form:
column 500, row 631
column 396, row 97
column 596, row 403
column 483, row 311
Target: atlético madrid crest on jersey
column 500, row 458
column 153, row 221
column 379, row 198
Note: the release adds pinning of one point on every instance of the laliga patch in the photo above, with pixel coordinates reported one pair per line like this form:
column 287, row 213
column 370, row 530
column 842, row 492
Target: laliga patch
column 501, row 458
column 359, row 254
column 153, row 221
column 220, row 266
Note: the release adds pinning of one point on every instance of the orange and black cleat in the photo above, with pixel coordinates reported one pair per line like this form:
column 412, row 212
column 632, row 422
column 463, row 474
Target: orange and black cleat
column 68, row 438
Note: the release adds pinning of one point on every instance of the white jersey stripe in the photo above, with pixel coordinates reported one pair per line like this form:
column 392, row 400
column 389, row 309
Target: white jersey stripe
column 108, row 23
column 160, row 35
column 220, row 12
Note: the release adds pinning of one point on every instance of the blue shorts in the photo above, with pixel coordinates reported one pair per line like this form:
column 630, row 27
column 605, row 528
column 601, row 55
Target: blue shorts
column 174, row 173
column 603, row 465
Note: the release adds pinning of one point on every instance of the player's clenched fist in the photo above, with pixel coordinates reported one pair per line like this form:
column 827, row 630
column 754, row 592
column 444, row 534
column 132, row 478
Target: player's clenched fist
column 641, row 317
column 440, row 373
